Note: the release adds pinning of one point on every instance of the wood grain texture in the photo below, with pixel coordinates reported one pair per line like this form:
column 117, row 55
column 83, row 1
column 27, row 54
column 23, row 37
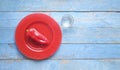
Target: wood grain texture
column 81, row 19
column 60, row 65
column 69, row 51
column 60, row 5
column 92, row 43
column 74, row 35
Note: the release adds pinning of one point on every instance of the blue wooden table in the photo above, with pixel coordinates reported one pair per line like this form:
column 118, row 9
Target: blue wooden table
column 92, row 43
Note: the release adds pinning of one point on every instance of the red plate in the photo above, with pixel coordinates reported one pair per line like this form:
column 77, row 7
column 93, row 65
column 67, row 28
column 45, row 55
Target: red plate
column 38, row 36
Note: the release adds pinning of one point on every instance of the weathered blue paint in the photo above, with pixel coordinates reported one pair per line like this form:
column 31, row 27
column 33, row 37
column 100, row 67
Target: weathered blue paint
column 60, row 65
column 93, row 43
column 69, row 51
column 81, row 19
column 74, row 35
column 60, row 5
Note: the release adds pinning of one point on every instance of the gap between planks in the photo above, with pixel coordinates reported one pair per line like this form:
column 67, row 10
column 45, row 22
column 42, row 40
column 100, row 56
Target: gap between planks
column 65, row 11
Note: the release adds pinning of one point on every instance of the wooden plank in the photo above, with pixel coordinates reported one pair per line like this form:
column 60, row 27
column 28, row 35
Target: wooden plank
column 63, row 5
column 74, row 35
column 69, row 51
column 81, row 19
column 60, row 65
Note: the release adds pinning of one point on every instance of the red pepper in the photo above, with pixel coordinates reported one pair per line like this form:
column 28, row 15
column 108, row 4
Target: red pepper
column 37, row 36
